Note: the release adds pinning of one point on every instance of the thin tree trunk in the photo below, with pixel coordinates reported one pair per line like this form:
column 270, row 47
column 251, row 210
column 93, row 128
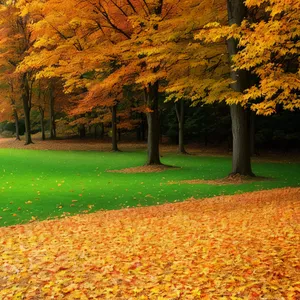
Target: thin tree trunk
column 15, row 113
column 42, row 115
column 95, row 132
column 179, row 107
column 82, row 131
column 143, row 129
column 114, row 128
column 252, row 133
column 153, row 125
column 16, row 117
column 241, row 156
column 119, row 131
column 102, row 131
column 26, row 99
column 52, row 112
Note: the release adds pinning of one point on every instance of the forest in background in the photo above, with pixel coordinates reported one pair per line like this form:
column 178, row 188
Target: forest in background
column 189, row 71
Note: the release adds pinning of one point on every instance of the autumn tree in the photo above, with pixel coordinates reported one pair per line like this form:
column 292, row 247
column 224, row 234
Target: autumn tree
column 52, row 123
column 40, row 102
column 241, row 154
column 66, row 47
column 10, row 102
column 14, row 46
column 263, row 45
column 193, row 69
column 147, row 44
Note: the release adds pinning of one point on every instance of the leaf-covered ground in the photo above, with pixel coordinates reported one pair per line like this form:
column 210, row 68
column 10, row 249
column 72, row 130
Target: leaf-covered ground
column 230, row 247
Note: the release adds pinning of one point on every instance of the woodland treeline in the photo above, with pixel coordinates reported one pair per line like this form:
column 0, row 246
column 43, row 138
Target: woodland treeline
column 178, row 68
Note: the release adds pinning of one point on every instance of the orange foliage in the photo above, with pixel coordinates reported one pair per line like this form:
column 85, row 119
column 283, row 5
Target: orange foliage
column 126, row 42
column 98, row 47
column 237, row 247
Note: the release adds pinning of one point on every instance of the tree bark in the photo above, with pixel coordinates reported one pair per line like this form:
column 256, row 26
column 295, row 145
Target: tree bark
column 241, row 162
column 143, row 129
column 241, row 155
column 151, row 96
column 252, row 133
column 82, row 131
column 52, row 112
column 42, row 115
column 119, row 131
column 26, row 99
column 114, row 128
column 179, row 107
column 95, row 131
column 16, row 117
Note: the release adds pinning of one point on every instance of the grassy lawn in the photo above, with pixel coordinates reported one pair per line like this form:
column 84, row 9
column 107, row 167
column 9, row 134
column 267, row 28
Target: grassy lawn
column 46, row 184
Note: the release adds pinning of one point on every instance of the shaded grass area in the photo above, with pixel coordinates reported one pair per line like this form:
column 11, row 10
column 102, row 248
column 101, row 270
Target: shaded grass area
column 48, row 184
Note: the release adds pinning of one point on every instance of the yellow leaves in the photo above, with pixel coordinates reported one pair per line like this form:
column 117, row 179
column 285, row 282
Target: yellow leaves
column 70, row 288
column 213, row 33
column 205, row 271
column 212, row 25
column 149, row 77
column 196, row 292
column 267, row 48
column 250, row 250
column 155, row 290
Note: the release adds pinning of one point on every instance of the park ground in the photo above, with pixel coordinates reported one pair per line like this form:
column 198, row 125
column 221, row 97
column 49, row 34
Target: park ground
column 242, row 246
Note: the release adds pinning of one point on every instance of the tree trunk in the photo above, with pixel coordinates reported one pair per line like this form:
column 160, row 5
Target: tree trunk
column 119, row 131
column 114, row 128
column 241, row 163
column 95, row 132
column 151, row 99
column 180, row 118
column 82, row 131
column 17, row 125
column 26, row 99
column 252, row 133
column 241, row 156
column 143, row 129
column 42, row 115
column 153, row 125
column 52, row 112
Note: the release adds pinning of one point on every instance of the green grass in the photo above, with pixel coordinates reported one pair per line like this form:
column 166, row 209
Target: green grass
column 50, row 180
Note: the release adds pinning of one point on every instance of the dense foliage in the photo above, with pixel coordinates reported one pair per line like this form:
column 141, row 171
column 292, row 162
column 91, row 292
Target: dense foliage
column 115, row 64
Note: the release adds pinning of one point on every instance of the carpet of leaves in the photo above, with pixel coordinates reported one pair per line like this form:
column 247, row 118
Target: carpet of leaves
column 229, row 247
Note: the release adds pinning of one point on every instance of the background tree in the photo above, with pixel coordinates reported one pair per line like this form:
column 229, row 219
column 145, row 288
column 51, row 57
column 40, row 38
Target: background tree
column 15, row 43
column 265, row 46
